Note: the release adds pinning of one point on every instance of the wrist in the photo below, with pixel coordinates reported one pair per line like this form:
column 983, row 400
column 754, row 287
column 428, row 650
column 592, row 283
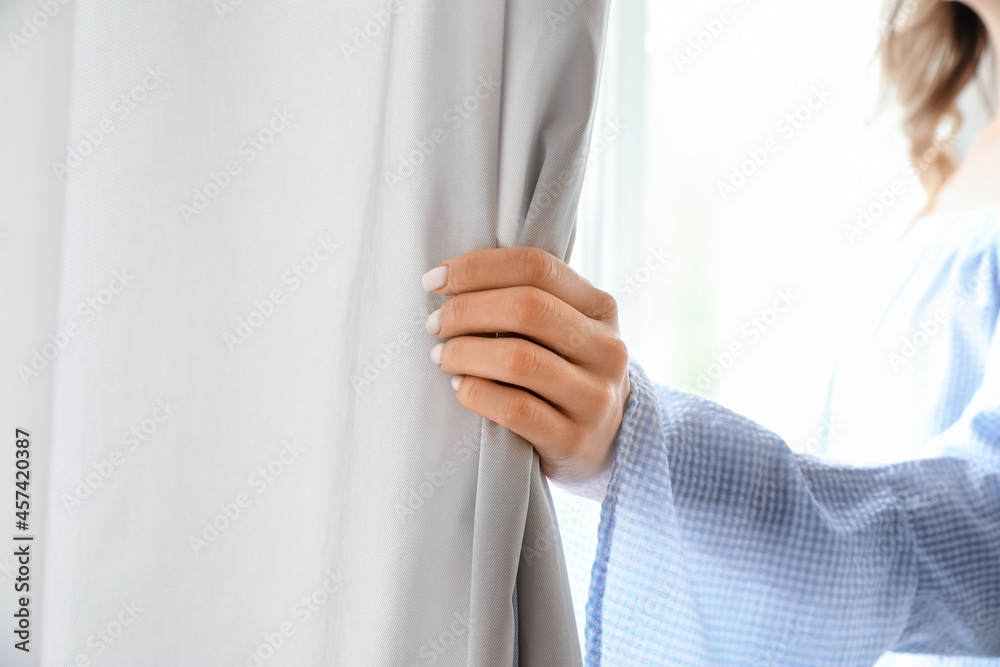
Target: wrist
column 595, row 485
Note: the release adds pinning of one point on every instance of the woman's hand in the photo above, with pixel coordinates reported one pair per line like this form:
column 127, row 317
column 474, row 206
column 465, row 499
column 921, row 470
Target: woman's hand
column 563, row 386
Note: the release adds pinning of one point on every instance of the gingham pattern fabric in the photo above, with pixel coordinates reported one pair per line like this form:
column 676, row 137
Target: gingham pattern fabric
column 719, row 545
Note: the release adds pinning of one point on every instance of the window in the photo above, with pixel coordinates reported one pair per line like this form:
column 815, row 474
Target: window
column 736, row 145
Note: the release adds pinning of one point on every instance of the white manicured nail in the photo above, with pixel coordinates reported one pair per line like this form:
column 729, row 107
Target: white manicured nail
column 436, row 353
column 435, row 278
column 434, row 322
column 456, row 382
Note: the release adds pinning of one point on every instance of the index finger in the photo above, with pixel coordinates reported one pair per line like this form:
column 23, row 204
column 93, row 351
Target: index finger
column 499, row 268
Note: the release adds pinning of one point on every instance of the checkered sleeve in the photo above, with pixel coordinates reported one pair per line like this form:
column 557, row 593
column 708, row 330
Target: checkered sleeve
column 720, row 546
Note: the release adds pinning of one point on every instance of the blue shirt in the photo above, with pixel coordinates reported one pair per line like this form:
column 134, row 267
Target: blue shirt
column 719, row 545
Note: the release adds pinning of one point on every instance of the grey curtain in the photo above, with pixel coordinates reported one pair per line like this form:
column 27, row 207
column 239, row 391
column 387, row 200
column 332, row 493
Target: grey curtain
column 252, row 459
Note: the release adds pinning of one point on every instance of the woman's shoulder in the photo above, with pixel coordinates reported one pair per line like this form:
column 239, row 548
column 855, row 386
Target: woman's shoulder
column 972, row 230
column 952, row 245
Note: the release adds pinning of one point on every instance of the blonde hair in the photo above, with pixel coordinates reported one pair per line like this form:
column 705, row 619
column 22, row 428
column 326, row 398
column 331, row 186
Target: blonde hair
column 930, row 50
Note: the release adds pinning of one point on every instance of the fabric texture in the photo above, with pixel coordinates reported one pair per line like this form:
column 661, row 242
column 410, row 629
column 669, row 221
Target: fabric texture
column 718, row 545
column 252, row 456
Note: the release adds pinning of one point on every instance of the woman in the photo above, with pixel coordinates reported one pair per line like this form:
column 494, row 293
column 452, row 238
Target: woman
column 718, row 545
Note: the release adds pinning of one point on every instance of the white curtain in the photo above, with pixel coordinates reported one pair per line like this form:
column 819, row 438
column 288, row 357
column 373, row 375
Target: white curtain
column 249, row 457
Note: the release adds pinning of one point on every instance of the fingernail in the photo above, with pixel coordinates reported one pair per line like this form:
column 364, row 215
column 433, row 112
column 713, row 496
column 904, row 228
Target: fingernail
column 456, row 382
column 434, row 322
column 434, row 279
column 436, row 353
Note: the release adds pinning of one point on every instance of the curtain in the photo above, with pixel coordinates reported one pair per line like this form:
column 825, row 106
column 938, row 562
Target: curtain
column 249, row 457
